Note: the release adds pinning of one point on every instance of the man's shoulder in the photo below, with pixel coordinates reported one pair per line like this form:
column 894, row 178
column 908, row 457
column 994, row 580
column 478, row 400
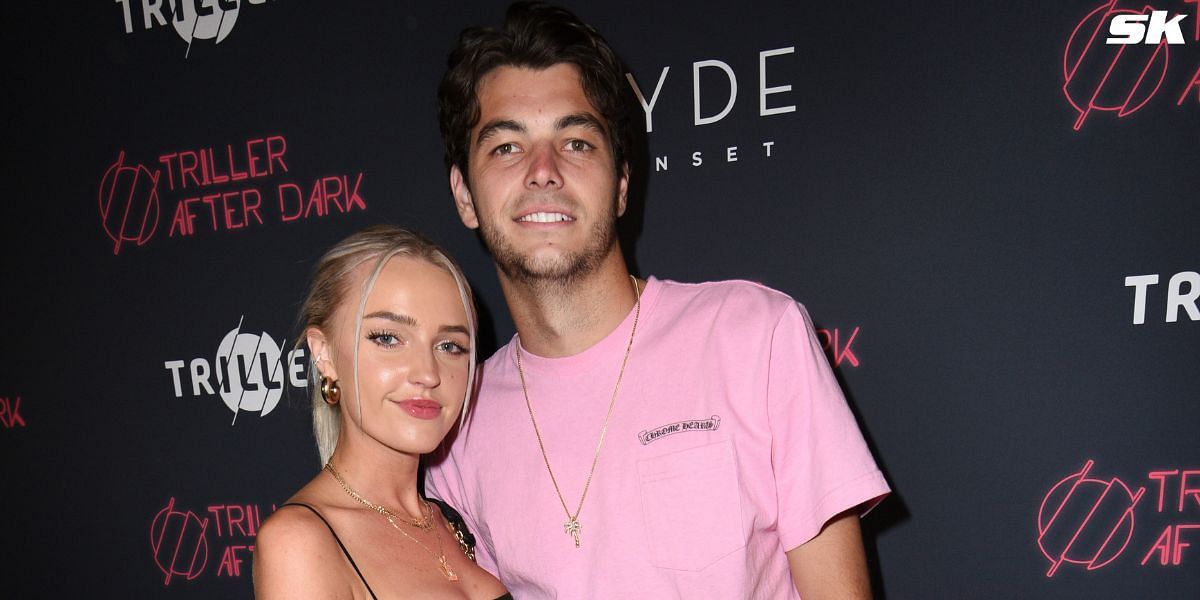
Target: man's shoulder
column 498, row 357
column 726, row 295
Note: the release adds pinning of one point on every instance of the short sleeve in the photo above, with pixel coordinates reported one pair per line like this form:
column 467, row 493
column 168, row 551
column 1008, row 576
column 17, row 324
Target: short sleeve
column 821, row 463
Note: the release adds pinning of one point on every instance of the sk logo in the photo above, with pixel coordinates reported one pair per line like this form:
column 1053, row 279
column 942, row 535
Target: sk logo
column 1086, row 521
column 1128, row 29
column 129, row 203
column 180, row 543
column 1115, row 63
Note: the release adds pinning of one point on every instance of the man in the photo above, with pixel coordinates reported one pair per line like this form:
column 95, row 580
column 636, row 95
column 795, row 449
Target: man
column 636, row 438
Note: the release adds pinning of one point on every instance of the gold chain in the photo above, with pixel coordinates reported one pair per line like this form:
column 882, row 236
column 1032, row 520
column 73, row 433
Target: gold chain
column 424, row 523
column 439, row 556
column 572, row 526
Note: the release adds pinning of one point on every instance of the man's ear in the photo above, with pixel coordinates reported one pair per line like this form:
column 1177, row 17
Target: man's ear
column 462, row 198
column 322, row 352
column 623, row 189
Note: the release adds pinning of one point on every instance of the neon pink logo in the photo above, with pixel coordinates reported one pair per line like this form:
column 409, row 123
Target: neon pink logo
column 129, row 203
column 1086, row 521
column 180, row 543
column 224, row 188
column 10, row 413
column 180, row 539
column 839, row 352
column 1116, row 78
column 1108, row 93
column 1183, row 487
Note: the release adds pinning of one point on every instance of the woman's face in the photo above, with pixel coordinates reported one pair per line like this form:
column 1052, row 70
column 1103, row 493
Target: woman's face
column 413, row 357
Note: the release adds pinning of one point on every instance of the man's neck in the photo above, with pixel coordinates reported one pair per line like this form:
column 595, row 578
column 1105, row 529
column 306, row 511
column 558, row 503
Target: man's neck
column 556, row 319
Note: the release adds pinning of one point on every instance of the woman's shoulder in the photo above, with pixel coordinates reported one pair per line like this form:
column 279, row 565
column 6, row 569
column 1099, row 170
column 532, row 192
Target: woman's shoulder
column 301, row 519
column 294, row 549
column 295, row 522
column 296, row 533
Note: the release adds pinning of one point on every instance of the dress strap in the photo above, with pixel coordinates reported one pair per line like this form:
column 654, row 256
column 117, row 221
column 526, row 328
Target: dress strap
column 466, row 541
column 339, row 543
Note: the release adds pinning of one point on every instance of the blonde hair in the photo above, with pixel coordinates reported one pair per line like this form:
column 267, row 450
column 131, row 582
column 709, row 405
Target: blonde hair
column 330, row 287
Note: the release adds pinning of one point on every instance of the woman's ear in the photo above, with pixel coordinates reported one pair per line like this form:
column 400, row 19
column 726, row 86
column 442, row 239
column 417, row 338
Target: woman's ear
column 322, row 352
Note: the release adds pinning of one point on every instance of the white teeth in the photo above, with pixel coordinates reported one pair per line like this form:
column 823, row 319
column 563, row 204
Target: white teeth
column 544, row 217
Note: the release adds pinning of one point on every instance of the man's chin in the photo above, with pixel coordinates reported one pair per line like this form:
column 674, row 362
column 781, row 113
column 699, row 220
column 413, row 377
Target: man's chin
column 549, row 265
column 542, row 270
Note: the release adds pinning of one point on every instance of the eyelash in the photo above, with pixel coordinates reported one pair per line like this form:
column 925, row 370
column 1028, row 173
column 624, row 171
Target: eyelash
column 509, row 147
column 452, row 348
column 587, row 146
column 378, row 335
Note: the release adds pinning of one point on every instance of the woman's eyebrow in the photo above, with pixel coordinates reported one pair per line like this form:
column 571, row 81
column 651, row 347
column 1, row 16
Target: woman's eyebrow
column 391, row 316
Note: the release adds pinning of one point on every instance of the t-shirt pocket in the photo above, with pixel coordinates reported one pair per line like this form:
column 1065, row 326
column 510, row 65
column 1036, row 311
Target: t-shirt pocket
column 691, row 506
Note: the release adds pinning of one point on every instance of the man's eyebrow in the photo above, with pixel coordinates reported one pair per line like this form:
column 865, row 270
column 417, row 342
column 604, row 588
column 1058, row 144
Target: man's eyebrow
column 580, row 120
column 391, row 316
column 492, row 127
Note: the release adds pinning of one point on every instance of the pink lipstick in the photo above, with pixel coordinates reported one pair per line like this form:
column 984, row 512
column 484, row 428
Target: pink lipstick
column 421, row 408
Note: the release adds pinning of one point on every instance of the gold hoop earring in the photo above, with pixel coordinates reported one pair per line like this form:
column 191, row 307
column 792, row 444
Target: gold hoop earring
column 331, row 393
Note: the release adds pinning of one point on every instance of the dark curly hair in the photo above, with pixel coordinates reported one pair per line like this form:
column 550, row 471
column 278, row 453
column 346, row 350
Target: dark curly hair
column 534, row 36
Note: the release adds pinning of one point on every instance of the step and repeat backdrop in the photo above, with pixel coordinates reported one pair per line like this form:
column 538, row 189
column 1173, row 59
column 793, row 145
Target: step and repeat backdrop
column 992, row 211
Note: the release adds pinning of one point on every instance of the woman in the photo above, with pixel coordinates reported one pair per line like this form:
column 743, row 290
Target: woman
column 390, row 329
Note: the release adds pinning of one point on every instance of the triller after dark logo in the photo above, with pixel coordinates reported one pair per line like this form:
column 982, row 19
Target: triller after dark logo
column 217, row 189
column 839, row 348
column 10, row 413
column 180, row 539
column 1088, row 520
column 129, row 203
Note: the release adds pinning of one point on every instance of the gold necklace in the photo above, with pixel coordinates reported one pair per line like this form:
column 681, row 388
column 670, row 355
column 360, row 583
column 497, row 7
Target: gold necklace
column 439, row 556
column 572, row 526
column 424, row 523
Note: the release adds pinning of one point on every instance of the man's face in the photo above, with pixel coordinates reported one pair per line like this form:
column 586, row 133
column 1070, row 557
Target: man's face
column 543, row 189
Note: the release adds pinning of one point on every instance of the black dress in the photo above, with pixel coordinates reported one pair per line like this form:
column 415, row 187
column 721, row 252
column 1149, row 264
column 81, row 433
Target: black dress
column 456, row 521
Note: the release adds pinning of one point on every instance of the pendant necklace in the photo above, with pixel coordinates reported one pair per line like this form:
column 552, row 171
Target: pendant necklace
column 572, row 526
column 425, row 523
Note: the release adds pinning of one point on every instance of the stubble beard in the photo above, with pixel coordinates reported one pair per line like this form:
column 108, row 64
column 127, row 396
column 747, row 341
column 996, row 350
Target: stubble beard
column 562, row 270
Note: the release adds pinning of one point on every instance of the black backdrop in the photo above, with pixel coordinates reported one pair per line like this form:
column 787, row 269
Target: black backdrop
column 960, row 231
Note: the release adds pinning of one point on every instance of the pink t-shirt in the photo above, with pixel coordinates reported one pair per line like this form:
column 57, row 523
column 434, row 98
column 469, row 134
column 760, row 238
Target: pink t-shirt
column 730, row 444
